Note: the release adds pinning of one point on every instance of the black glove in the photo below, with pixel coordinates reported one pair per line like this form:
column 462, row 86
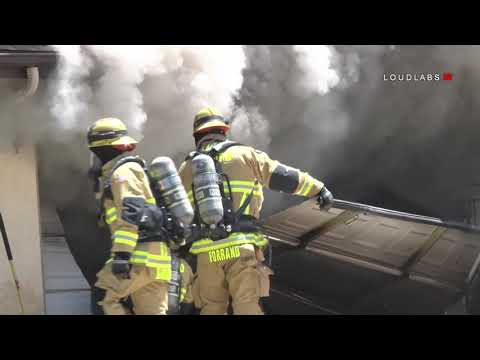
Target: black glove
column 187, row 309
column 325, row 199
column 121, row 265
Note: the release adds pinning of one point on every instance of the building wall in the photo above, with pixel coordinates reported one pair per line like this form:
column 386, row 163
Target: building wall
column 19, row 204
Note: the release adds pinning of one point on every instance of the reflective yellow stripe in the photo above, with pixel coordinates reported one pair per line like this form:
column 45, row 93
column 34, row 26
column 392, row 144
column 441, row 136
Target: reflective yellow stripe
column 183, row 292
column 125, row 242
column 165, row 266
column 162, row 264
column 111, row 219
column 126, row 234
column 165, row 275
column 164, row 250
column 305, row 184
column 159, row 257
column 110, row 215
column 262, row 241
column 190, row 197
column 151, row 201
column 151, row 262
column 232, row 240
column 141, row 257
column 242, row 185
column 206, row 245
column 182, row 268
column 221, row 246
column 240, row 182
column 125, row 237
column 243, row 200
column 307, row 191
column 140, row 253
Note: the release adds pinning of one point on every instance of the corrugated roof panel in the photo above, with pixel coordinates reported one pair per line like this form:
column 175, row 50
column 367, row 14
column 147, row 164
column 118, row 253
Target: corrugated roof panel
column 427, row 252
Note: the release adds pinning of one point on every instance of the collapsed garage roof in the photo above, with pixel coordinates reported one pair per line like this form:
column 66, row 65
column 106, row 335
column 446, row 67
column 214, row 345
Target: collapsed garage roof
column 358, row 262
column 14, row 59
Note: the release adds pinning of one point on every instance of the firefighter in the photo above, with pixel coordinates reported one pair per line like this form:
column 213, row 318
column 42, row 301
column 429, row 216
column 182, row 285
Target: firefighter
column 140, row 263
column 234, row 266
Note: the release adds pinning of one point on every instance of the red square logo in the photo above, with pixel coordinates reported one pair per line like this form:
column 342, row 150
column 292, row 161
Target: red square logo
column 447, row 76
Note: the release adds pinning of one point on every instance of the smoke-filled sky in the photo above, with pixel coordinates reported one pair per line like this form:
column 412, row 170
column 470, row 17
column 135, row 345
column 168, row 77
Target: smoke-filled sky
column 324, row 109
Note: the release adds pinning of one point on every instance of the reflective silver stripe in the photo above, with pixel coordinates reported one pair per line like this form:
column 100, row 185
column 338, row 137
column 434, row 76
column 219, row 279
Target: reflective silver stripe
column 124, row 237
column 130, row 243
column 158, row 261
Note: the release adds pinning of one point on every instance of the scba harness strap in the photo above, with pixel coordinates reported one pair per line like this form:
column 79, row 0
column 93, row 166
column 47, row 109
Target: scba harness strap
column 232, row 221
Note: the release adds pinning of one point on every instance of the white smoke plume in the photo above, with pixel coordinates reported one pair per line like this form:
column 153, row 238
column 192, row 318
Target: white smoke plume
column 164, row 85
column 71, row 94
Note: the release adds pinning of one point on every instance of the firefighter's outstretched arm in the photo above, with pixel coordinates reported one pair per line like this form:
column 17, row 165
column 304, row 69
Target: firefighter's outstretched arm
column 129, row 197
column 279, row 177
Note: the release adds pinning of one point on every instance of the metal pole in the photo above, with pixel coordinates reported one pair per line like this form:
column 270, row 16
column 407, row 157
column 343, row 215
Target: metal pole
column 347, row 205
column 10, row 260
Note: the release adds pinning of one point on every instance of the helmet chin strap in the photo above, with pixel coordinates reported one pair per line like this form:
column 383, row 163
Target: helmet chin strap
column 107, row 153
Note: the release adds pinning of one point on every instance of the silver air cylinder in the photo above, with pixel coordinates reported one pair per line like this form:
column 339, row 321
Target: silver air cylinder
column 163, row 171
column 207, row 192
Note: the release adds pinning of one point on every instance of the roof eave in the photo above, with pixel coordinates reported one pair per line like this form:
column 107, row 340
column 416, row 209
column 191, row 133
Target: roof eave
column 13, row 63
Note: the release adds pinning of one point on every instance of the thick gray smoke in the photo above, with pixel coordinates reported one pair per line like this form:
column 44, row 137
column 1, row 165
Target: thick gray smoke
column 298, row 110
column 405, row 144
column 324, row 109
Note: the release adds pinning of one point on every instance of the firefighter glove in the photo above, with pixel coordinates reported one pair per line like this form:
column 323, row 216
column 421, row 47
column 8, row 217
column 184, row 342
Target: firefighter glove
column 121, row 265
column 325, row 199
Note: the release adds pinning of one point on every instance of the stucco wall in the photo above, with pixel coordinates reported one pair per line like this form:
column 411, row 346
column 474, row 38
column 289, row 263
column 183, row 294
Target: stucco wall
column 19, row 204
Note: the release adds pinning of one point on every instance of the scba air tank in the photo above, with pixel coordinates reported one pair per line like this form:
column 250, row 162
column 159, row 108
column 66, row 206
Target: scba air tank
column 164, row 173
column 207, row 191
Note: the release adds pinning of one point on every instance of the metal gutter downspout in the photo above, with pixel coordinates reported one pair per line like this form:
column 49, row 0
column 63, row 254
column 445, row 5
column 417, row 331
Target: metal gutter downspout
column 33, row 79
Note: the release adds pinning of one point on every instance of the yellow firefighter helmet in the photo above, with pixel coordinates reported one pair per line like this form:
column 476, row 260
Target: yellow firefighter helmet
column 209, row 118
column 108, row 131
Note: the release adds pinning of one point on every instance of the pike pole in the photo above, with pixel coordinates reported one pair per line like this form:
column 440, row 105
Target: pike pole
column 10, row 260
column 357, row 207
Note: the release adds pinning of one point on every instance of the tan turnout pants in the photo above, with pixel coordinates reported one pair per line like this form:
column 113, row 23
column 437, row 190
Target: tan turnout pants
column 245, row 279
column 149, row 296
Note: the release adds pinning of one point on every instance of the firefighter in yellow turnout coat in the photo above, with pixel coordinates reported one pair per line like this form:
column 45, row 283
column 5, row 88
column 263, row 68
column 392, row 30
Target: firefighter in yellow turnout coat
column 140, row 263
column 233, row 266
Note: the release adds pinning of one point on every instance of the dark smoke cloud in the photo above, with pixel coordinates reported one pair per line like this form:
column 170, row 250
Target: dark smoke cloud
column 405, row 145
